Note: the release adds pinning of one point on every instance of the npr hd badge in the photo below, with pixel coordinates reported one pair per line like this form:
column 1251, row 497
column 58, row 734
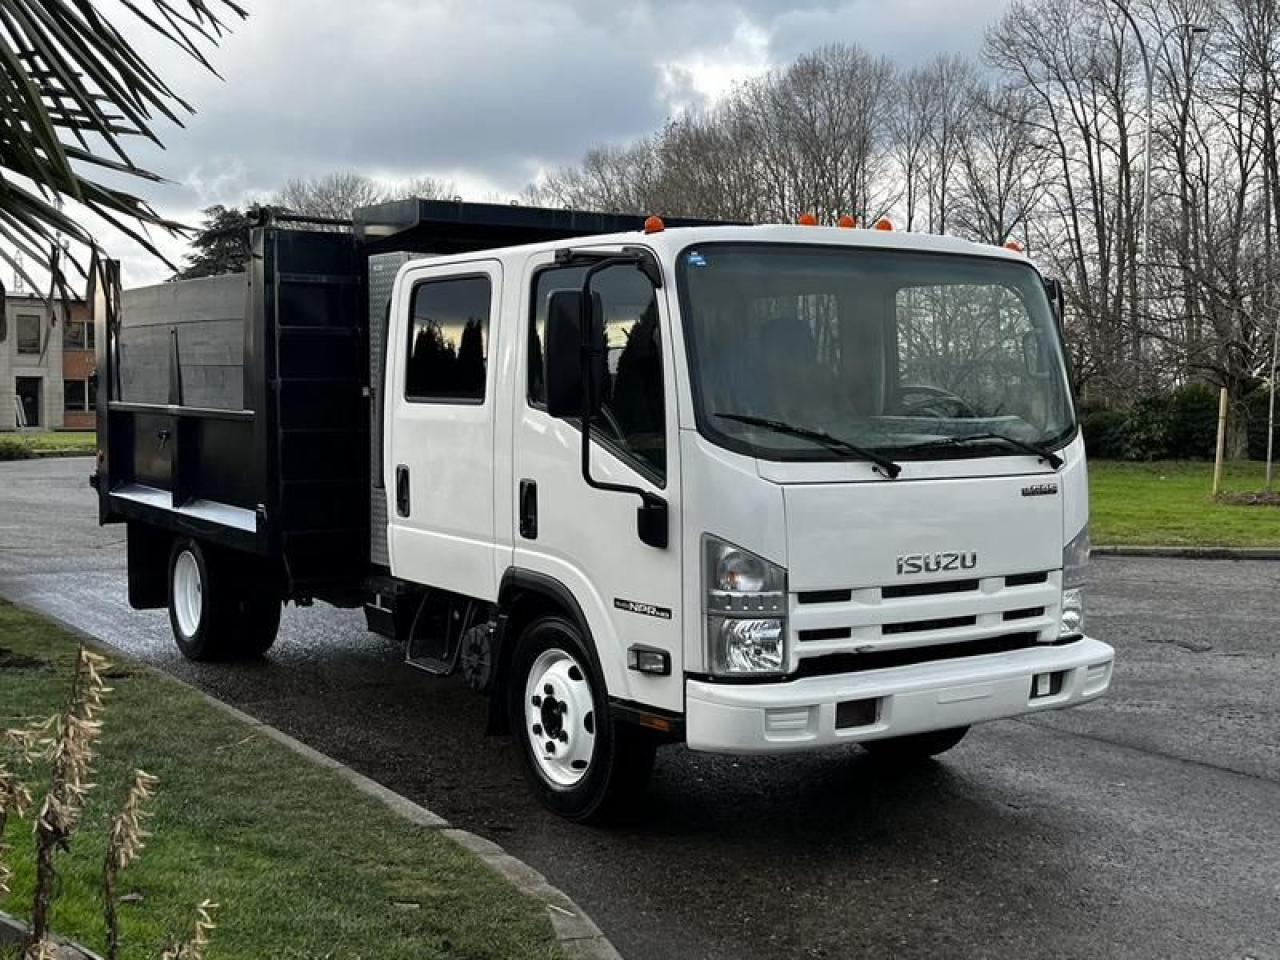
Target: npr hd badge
column 1040, row 490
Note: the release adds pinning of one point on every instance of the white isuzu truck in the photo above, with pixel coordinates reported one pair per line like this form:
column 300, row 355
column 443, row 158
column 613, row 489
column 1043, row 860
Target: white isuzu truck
column 756, row 489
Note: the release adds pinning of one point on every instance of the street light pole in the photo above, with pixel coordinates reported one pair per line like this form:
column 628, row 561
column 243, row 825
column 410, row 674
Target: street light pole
column 1148, row 66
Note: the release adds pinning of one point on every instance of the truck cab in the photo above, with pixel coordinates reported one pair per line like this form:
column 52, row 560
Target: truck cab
column 755, row 489
column 859, row 446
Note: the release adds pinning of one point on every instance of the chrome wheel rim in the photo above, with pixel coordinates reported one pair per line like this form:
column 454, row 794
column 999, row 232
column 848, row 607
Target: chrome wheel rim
column 188, row 593
column 560, row 718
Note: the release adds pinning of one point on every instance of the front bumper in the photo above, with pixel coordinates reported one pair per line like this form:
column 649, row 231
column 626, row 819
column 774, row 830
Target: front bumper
column 801, row 714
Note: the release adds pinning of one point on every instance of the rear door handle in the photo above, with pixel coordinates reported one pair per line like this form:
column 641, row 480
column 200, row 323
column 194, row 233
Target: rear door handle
column 528, row 510
column 402, row 490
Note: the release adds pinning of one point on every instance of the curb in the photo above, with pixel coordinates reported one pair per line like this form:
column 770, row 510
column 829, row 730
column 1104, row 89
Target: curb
column 13, row 932
column 1190, row 553
column 577, row 934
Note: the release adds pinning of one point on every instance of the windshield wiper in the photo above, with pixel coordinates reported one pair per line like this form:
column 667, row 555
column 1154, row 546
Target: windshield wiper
column 887, row 466
column 1044, row 453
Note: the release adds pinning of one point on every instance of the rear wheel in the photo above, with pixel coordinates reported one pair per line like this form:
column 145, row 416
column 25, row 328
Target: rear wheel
column 581, row 763
column 919, row 746
column 218, row 608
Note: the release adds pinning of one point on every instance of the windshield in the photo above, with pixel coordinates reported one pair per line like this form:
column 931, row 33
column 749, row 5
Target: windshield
column 911, row 355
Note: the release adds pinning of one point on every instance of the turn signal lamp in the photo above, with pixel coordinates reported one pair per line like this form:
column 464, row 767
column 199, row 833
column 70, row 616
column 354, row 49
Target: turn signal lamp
column 654, row 225
column 847, row 222
column 884, row 223
column 807, row 220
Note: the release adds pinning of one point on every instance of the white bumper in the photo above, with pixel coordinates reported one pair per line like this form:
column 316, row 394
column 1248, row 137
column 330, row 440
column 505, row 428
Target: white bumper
column 801, row 714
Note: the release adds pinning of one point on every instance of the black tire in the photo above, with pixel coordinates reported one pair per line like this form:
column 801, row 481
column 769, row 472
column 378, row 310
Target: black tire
column 622, row 756
column 236, row 617
column 917, row 747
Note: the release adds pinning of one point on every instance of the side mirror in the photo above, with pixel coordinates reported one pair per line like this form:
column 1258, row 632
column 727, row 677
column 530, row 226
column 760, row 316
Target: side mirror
column 564, row 374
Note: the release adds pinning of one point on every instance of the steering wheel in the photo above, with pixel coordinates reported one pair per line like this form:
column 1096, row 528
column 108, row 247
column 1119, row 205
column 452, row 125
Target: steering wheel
column 934, row 400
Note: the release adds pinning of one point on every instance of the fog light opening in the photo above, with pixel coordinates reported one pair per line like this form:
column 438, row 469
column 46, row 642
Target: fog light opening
column 857, row 713
column 1047, row 684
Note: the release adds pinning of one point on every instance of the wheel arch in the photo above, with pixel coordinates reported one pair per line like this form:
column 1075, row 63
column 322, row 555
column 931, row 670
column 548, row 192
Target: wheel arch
column 524, row 595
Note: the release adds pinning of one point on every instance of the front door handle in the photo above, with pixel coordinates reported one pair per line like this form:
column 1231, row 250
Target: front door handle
column 528, row 510
column 402, row 490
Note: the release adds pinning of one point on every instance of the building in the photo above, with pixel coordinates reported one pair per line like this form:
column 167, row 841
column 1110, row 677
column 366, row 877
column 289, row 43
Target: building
column 46, row 365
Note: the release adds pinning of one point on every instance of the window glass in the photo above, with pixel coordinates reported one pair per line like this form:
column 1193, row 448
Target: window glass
column 78, row 336
column 448, row 340
column 633, row 410
column 28, row 334
column 914, row 354
column 74, row 394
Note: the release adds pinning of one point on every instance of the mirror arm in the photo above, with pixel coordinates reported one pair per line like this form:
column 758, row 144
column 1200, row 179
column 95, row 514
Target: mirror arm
column 651, row 518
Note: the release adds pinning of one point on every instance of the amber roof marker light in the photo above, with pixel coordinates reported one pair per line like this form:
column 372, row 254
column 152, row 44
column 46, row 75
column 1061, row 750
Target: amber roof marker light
column 847, row 222
column 654, row 225
column 1015, row 246
column 807, row 220
column 885, row 224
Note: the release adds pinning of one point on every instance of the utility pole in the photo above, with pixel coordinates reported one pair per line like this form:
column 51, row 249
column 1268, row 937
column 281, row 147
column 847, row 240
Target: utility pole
column 1271, row 406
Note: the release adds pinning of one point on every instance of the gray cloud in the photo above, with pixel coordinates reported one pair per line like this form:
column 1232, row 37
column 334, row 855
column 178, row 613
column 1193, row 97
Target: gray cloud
column 486, row 93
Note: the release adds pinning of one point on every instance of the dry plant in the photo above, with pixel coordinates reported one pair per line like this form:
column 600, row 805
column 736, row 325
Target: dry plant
column 194, row 947
column 66, row 743
column 124, row 845
column 70, row 753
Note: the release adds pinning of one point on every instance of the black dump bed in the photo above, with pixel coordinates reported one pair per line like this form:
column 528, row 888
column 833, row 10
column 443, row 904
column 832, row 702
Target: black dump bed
column 238, row 409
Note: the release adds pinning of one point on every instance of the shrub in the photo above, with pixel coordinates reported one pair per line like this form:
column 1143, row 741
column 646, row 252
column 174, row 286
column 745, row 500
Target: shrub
column 1255, row 410
column 1191, row 426
column 1105, row 433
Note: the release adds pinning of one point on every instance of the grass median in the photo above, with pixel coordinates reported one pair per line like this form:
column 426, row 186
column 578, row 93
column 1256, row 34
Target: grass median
column 25, row 446
column 301, row 863
column 1171, row 504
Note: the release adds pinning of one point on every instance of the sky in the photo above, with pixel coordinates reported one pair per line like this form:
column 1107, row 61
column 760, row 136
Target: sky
column 484, row 94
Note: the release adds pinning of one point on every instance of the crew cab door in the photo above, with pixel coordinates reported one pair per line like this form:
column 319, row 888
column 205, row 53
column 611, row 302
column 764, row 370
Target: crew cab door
column 584, row 538
column 440, row 425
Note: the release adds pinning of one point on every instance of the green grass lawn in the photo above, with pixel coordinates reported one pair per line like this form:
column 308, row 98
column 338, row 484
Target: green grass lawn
column 302, row 864
column 1170, row 504
column 23, row 446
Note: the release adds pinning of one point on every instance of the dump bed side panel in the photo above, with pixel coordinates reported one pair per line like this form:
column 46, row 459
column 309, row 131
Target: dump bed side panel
column 235, row 408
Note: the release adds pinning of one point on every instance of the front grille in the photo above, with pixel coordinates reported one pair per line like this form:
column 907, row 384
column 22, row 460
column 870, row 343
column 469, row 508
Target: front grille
column 930, row 589
column 837, row 663
column 825, row 596
column 917, row 621
column 920, row 626
column 1028, row 613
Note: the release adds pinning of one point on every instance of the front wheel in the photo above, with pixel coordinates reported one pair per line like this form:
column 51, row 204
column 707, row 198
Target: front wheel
column 919, row 746
column 580, row 762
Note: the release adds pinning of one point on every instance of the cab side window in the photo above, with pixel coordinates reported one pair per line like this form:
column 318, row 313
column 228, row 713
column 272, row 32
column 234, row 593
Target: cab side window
column 632, row 420
column 448, row 350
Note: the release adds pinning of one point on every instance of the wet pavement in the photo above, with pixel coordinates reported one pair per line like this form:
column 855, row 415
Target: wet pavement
column 1144, row 825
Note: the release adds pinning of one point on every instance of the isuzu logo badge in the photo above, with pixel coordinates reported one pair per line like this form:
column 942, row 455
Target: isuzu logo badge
column 936, row 562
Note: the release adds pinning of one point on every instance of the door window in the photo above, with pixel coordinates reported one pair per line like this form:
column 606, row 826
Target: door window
column 632, row 419
column 448, row 347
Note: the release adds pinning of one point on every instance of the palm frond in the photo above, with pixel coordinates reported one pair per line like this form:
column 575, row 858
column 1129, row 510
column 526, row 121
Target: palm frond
column 73, row 92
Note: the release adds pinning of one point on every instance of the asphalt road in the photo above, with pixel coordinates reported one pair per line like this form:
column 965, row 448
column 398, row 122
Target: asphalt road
column 1145, row 825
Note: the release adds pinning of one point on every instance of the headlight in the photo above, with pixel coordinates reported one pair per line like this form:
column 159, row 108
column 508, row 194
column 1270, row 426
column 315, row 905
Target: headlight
column 746, row 607
column 1075, row 565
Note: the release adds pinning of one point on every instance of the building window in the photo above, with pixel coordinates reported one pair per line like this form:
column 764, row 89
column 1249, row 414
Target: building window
column 448, row 341
column 80, row 396
column 78, row 335
column 28, row 334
